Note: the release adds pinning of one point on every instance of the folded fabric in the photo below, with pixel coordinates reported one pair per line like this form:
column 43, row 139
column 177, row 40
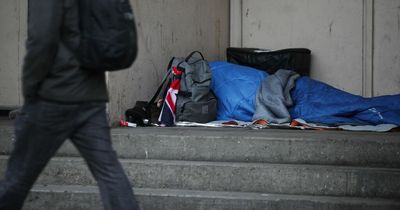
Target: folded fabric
column 273, row 97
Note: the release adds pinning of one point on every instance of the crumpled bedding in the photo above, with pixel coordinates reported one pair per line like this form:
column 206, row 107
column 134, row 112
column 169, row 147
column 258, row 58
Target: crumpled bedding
column 313, row 101
column 273, row 97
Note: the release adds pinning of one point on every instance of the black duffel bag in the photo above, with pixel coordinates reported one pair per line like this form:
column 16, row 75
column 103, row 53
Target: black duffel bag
column 296, row 59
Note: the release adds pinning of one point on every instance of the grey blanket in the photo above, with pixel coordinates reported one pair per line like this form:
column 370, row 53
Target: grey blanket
column 273, row 97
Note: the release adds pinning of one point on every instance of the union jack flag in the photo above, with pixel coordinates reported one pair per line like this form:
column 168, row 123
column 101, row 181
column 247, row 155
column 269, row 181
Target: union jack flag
column 167, row 115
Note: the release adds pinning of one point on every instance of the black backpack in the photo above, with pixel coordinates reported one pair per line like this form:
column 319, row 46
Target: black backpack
column 295, row 59
column 108, row 35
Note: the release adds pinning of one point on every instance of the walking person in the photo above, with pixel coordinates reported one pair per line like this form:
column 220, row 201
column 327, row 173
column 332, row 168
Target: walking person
column 61, row 100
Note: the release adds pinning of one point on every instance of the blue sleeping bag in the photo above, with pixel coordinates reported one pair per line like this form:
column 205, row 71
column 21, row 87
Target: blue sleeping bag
column 236, row 88
column 320, row 103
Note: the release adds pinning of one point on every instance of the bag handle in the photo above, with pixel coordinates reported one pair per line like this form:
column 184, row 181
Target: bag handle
column 191, row 54
column 168, row 73
column 162, row 84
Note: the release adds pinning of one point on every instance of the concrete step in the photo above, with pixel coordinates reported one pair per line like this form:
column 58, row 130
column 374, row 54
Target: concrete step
column 242, row 177
column 246, row 145
column 87, row 197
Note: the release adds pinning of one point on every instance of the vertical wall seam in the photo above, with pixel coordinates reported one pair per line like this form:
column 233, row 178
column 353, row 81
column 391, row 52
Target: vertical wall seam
column 230, row 23
column 368, row 48
column 236, row 23
column 19, row 51
column 241, row 23
column 363, row 50
column 372, row 47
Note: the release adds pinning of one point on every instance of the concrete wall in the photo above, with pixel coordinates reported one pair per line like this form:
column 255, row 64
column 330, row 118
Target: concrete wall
column 13, row 19
column 166, row 29
column 355, row 43
column 386, row 59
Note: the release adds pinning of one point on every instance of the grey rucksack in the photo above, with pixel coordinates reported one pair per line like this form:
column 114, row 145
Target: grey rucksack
column 195, row 100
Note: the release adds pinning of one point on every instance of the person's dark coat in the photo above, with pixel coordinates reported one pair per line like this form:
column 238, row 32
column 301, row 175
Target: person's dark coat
column 51, row 69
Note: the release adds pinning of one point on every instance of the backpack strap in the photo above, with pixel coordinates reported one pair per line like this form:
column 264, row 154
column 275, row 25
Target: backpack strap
column 162, row 84
column 191, row 54
column 187, row 59
column 185, row 94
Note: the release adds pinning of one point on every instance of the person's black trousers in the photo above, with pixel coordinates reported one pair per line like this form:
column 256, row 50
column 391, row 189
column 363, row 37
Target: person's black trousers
column 41, row 128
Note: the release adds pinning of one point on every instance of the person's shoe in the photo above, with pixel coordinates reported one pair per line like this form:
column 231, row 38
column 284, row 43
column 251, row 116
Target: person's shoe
column 13, row 114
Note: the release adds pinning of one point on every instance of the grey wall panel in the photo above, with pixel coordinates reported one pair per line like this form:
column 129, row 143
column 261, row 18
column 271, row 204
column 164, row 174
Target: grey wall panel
column 166, row 29
column 332, row 29
column 12, row 34
column 386, row 74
